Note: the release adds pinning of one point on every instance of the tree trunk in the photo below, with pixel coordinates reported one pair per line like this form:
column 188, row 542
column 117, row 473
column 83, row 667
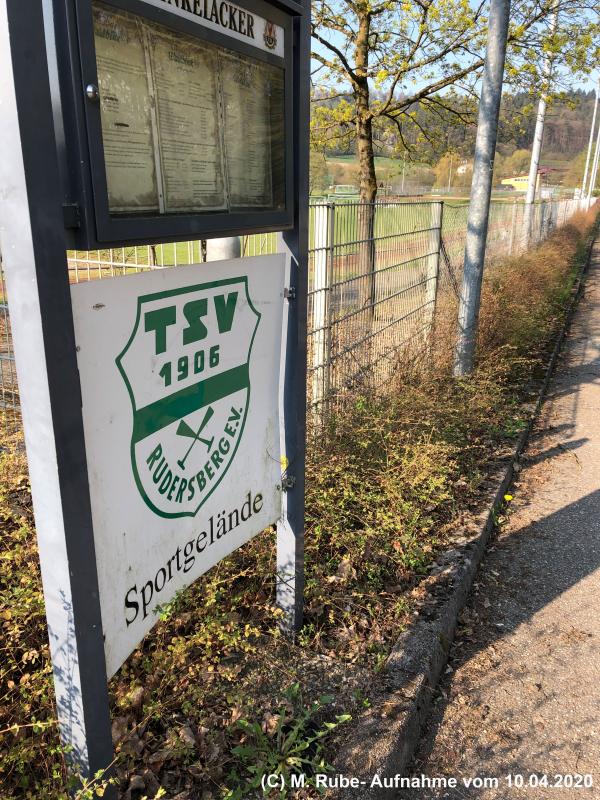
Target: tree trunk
column 368, row 178
column 364, row 119
column 366, row 216
column 364, row 146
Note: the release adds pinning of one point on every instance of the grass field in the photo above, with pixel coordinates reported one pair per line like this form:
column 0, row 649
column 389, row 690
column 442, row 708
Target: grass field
column 380, row 161
column 398, row 219
column 123, row 260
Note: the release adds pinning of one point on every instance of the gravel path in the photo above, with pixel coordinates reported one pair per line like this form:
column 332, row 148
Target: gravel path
column 521, row 696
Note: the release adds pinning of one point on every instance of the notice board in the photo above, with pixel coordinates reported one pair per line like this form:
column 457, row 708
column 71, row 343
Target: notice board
column 188, row 126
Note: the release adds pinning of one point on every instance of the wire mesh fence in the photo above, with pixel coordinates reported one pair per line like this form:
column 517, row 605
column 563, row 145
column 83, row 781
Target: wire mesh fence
column 9, row 391
column 372, row 284
column 376, row 273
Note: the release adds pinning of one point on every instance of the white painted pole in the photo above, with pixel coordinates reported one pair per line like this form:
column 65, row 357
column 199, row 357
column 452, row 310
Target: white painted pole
column 590, row 143
column 594, row 168
column 513, row 228
column 433, row 264
column 538, row 136
column 321, row 251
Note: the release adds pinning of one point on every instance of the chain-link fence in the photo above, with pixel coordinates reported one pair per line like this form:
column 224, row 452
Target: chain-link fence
column 375, row 274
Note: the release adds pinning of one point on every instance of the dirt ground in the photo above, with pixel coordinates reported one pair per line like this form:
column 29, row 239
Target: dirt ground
column 518, row 710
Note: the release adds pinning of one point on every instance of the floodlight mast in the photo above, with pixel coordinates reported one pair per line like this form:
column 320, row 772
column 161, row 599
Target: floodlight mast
column 481, row 187
column 583, row 197
column 594, row 174
column 538, row 136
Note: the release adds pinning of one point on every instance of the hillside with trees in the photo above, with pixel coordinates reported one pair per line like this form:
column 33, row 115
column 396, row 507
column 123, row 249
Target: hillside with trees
column 440, row 142
column 387, row 64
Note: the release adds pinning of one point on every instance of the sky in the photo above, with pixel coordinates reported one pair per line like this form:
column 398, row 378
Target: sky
column 583, row 83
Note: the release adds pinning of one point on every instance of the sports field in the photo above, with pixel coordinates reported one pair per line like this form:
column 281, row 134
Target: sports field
column 406, row 220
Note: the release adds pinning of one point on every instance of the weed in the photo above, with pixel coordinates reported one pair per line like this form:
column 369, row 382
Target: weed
column 290, row 742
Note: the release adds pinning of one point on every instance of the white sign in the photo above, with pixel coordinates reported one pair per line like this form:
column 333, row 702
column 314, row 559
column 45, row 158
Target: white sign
column 229, row 19
column 179, row 376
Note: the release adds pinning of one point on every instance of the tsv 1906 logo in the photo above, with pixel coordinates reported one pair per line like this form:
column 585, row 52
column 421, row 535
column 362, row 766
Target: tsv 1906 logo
column 187, row 370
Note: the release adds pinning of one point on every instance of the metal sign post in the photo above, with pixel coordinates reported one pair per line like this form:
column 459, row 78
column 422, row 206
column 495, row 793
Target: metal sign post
column 185, row 356
column 33, row 248
column 290, row 530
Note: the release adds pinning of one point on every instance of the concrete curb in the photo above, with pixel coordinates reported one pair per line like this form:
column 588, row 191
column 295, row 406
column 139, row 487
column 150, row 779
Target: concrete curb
column 385, row 737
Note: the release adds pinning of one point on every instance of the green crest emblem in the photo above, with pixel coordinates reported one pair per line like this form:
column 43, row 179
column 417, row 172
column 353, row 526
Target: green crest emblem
column 187, row 370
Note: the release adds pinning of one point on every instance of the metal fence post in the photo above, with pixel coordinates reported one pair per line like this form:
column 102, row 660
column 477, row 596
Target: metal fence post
column 543, row 221
column 553, row 218
column 513, row 228
column 329, row 300
column 320, row 304
column 433, row 262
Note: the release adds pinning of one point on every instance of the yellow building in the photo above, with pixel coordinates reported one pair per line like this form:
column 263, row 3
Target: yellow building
column 520, row 183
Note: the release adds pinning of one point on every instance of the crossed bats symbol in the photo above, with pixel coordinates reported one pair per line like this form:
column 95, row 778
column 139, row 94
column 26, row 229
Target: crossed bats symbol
column 185, row 430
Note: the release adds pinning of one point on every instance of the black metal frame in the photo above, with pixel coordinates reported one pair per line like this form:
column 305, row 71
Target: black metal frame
column 87, row 219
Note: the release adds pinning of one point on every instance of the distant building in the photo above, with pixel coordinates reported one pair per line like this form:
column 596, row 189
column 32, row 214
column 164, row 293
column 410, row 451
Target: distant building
column 520, row 182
